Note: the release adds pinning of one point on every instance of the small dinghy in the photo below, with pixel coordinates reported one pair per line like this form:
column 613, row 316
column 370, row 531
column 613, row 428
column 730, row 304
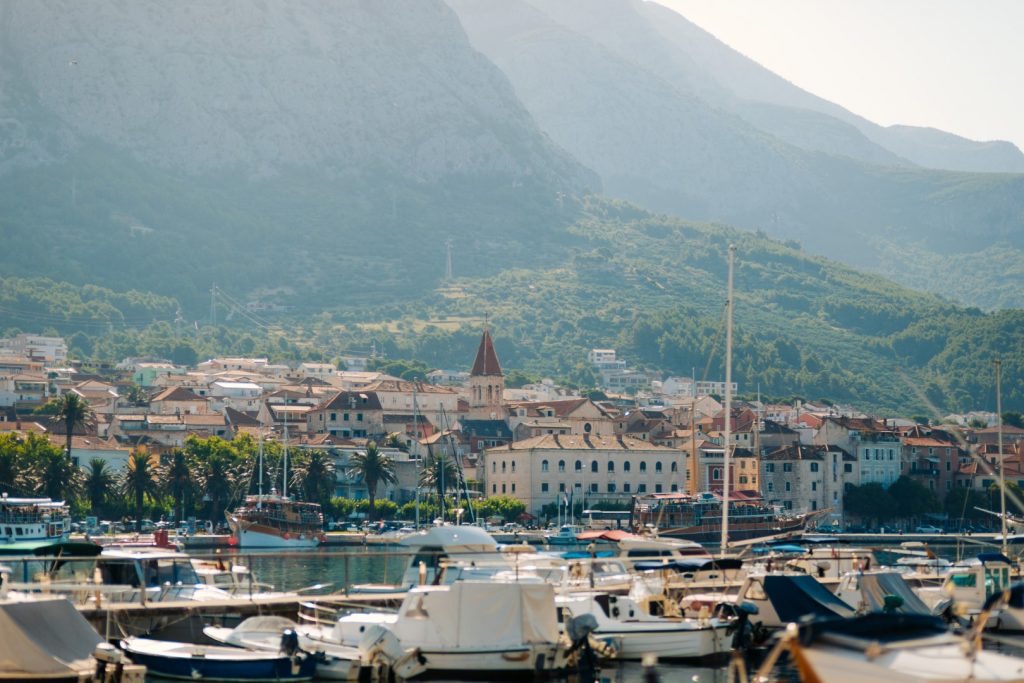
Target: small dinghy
column 218, row 663
column 263, row 634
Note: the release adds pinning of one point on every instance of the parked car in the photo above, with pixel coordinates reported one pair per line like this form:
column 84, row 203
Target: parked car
column 928, row 529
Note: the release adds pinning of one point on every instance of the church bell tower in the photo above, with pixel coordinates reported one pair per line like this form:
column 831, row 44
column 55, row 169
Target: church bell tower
column 486, row 383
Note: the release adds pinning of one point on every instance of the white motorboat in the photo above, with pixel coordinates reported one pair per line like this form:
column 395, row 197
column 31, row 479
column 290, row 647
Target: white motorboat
column 647, row 622
column 905, row 648
column 784, row 598
column 430, row 549
column 972, row 583
column 263, row 634
column 468, row 626
column 33, row 519
column 871, row 591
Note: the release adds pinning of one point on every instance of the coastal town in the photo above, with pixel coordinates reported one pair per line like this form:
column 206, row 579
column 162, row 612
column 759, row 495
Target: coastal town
column 553, row 450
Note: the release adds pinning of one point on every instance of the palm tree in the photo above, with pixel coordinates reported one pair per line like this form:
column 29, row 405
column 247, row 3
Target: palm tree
column 217, row 478
column 12, row 467
column 440, row 474
column 139, row 479
column 313, row 474
column 52, row 473
column 176, row 479
column 99, row 484
column 72, row 410
column 373, row 468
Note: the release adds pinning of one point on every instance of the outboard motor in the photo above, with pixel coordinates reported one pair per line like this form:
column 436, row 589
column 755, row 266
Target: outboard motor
column 289, row 642
column 579, row 629
column 744, row 635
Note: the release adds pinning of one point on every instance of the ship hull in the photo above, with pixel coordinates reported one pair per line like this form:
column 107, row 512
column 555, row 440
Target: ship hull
column 259, row 536
column 738, row 531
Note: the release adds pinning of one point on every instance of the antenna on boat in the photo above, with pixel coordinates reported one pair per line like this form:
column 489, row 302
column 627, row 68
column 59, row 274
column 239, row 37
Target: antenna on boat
column 284, row 483
column 416, row 435
column 999, row 436
column 728, row 404
column 259, row 498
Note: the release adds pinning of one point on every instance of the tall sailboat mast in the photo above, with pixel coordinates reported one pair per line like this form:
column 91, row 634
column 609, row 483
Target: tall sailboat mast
column 999, row 444
column 416, row 439
column 727, row 456
column 284, row 484
column 259, row 490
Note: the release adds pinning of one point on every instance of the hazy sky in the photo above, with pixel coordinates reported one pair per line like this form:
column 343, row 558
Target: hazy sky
column 957, row 65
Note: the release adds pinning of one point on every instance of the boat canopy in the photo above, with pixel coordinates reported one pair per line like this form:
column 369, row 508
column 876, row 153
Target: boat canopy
column 478, row 614
column 875, row 628
column 454, row 539
column 874, row 587
column 689, row 564
column 51, row 549
column 45, row 638
column 798, row 595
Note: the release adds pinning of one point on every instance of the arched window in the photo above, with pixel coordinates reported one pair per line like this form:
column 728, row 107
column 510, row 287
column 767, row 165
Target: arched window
column 611, row 466
column 561, row 466
column 514, row 465
column 579, row 466
column 657, row 467
column 625, row 466
column 494, row 468
column 674, row 466
column 593, row 466
column 643, row 466
column 503, row 466
column 543, row 465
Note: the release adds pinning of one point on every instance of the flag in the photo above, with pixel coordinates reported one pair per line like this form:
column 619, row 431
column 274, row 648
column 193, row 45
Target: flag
column 565, row 499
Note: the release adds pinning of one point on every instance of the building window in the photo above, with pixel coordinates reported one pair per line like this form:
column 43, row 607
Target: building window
column 814, row 486
column 593, row 466
column 625, row 466
column 359, row 417
column 892, row 455
column 716, row 474
column 561, row 466
column 544, row 487
column 949, row 468
column 503, row 488
column 586, row 427
column 579, row 466
column 334, row 417
column 675, row 466
column 611, row 466
column 643, row 466
column 743, row 479
column 513, row 487
column 771, row 486
column 641, row 488
column 657, row 488
column 561, row 487
column 345, row 417
column 675, row 488
column 769, row 467
column 494, row 468
column 503, row 466
column 657, row 467
column 848, row 467
column 543, row 465
column 513, row 465
column 787, row 467
column 593, row 487
column 787, row 486
column 611, row 487
column 626, row 487
column 814, row 467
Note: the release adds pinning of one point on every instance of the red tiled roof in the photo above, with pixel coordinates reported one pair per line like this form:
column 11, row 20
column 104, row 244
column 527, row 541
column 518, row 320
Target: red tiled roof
column 486, row 362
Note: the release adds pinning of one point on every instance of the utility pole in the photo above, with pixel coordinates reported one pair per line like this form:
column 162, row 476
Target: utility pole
column 213, row 305
column 448, row 259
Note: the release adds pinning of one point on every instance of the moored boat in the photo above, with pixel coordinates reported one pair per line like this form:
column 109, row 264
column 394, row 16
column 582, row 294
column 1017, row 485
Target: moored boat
column 699, row 517
column 218, row 663
column 274, row 521
column 33, row 519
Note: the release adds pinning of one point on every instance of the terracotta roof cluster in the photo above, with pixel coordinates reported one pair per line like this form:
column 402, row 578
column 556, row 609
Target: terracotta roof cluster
column 351, row 400
column 176, row 394
column 577, row 442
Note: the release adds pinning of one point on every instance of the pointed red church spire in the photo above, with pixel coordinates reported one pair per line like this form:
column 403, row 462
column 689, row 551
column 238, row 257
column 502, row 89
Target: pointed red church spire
column 486, row 362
